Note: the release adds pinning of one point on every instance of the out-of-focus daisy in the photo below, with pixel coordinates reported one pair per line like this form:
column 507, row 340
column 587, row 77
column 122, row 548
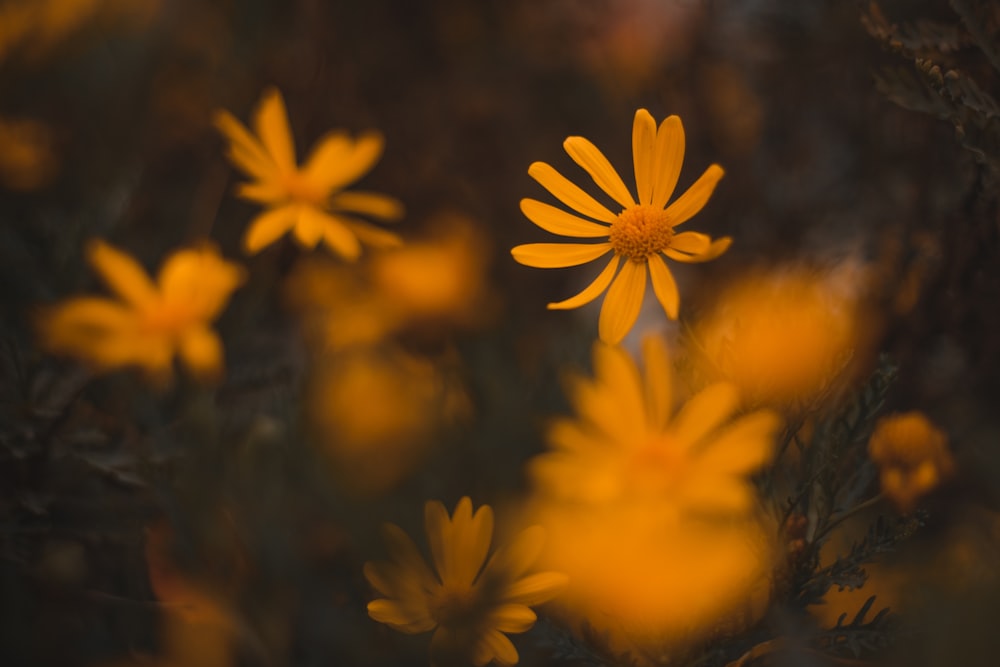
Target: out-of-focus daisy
column 468, row 605
column 912, row 456
column 149, row 322
column 651, row 513
column 308, row 200
column 639, row 235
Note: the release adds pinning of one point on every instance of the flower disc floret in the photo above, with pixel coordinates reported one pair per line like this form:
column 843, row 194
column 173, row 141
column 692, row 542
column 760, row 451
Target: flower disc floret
column 641, row 231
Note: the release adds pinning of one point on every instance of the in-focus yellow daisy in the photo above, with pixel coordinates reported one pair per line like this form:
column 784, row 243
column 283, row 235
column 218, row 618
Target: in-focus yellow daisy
column 149, row 322
column 639, row 235
column 310, row 201
column 627, row 444
column 468, row 605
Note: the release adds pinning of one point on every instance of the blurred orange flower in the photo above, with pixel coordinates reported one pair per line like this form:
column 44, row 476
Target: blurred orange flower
column 651, row 513
column 912, row 456
column 780, row 336
column 467, row 604
column 309, row 200
column 27, row 160
column 627, row 446
column 149, row 323
column 637, row 235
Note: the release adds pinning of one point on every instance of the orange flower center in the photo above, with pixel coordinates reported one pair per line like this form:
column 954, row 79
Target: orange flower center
column 641, row 231
column 451, row 607
column 299, row 188
column 167, row 318
column 655, row 468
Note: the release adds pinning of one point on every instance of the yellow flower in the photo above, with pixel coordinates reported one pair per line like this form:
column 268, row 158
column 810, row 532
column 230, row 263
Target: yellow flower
column 651, row 513
column 149, row 323
column 638, row 235
column 912, row 456
column 627, row 447
column 309, row 200
column 469, row 609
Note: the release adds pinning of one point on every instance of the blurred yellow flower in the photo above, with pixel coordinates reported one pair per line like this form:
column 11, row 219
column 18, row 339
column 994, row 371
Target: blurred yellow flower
column 912, row 456
column 149, row 323
column 780, row 336
column 627, row 446
column 637, row 235
column 309, row 200
column 27, row 161
column 467, row 604
column 651, row 513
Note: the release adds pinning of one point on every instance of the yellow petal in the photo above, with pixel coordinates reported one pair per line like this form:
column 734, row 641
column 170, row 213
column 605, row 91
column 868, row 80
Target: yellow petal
column 623, row 302
column 266, row 192
column 664, row 286
column 558, row 221
column 692, row 243
column 499, row 647
column 244, row 150
column 471, row 543
column 587, row 155
column 668, row 160
column 405, row 554
column 742, row 447
column 406, row 618
column 268, row 227
column 271, row 124
column 328, row 154
column 618, row 375
column 310, row 226
column 369, row 203
column 716, row 248
column 659, row 378
column 369, row 234
column 643, row 154
column 703, row 413
column 122, row 274
column 536, row 588
column 692, row 201
column 513, row 618
column 201, row 350
column 558, row 255
column 568, row 193
column 514, row 560
column 199, row 281
column 439, row 536
column 592, row 291
column 328, row 174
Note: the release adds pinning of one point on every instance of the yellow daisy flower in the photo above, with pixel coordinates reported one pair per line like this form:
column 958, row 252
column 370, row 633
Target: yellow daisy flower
column 310, row 201
column 637, row 235
column 149, row 323
column 627, row 446
column 467, row 604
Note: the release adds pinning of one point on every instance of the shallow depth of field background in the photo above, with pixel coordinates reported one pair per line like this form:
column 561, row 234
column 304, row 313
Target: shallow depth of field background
column 823, row 168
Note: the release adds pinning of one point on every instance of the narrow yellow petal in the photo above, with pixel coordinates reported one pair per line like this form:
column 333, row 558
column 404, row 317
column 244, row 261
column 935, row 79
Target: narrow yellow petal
column 664, row 286
column 268, row 227
column 328, row 154
column 623, row 302
column 271, row 124
column 369, row 203
column 592, row 291
column 703, row 413
column 558, row 221
column 692, row 201
column 330, row 174
column 588, row 156
column 263, row 192
column 406, row 618
column 513, row 618
column 643, row 154
column 619, row 377
column 309, row 226
column 658, row 378
column 743, row 446
column 536, row 588
column 337, row 234
column 472, row 543
column 692, row 243
column 668, row 159
column 718, row 247
column 199, row 281
column 122, row 274
column 437, row 523
column 568, row 193
column 370, row 235
column 201, row 350
column 245, row 151
column 558, row 255
column 500, row 648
